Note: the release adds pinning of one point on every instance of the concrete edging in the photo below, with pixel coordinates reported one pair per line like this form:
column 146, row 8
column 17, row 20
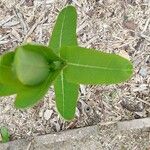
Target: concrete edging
column 51, row 141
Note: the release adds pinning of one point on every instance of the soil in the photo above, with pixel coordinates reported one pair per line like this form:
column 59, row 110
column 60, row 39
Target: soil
column 115, row 26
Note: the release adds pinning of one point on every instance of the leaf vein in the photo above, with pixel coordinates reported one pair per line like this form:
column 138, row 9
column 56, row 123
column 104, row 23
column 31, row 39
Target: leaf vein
column 62, row 86
column 60, row 45
column 97, row 67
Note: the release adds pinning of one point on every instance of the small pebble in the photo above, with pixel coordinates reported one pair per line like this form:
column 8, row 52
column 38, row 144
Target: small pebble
column 41, row 113
column 143, row 72
column 47, row 114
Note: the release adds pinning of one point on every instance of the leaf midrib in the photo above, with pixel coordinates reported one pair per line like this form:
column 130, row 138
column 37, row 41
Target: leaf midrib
column 97, row 67
column 62, row 76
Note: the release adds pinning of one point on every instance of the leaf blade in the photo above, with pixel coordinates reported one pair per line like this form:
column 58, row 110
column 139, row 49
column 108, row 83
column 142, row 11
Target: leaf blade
column 7, row 75
column 30, row 73
column 33, row 94
column 66, row 98
column 95, row 67
column 64, row 34
column 6, row 90
column 5, row 134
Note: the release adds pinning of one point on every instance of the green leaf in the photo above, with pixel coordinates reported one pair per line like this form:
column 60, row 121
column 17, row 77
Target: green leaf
column 7, row 75
column 31, row 67
column 5, row 134
column 42, row 50
column 7, row 66
column 9, row 83
column 27, row 95
column 64, row 34
column 66, row 97
column 88, row 66
column 6, row 90
column 32, row 94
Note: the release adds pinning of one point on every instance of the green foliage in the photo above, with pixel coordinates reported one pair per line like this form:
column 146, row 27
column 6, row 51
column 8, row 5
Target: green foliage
column 6, row 90
column 8, row 80
column 4, row 134
column 64, row 34
column 31, row 69
column 30, row 73
column 94, row 67
column 11, row 84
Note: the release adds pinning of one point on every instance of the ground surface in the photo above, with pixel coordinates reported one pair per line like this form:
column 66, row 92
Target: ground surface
column 118, row 136
column 120, row 26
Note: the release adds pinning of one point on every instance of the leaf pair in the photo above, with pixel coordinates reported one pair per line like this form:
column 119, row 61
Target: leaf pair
column 29, row 71
column 64, row 34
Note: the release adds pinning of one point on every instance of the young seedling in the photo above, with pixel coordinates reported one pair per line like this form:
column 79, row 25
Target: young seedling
column 4, row 134
column 31, row 69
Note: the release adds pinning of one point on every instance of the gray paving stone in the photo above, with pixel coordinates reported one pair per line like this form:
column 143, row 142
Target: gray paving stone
column 99, row 137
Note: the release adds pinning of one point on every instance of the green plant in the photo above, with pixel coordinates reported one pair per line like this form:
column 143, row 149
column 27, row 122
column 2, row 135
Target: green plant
column 31, row 69
column 4, row 134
